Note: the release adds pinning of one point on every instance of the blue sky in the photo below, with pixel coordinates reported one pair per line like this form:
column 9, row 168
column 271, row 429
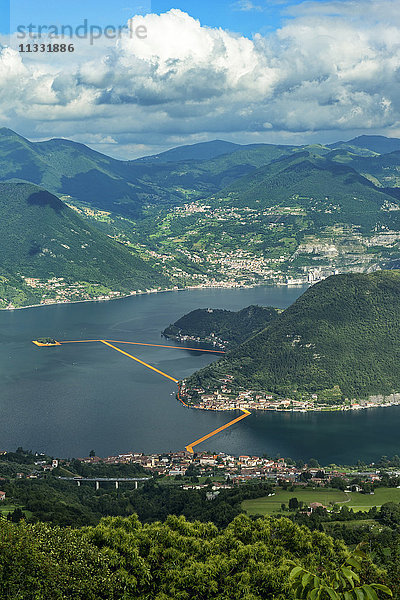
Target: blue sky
column 320, row 71
column 234, row 15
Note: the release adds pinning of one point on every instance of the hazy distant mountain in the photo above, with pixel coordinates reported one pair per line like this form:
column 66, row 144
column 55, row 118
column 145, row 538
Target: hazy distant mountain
column 168, row 179
column 67, row 168
column 310, row 189
column 203, row 178
column 200, row 151
column 73, row 169
column 376, row 143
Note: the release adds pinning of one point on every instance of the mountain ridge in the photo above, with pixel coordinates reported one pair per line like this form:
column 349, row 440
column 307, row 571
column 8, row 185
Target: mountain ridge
column 340, row 337
column 41, row 238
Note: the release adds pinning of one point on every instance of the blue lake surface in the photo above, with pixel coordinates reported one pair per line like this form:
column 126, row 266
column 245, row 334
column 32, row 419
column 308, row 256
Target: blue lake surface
column 70, row 399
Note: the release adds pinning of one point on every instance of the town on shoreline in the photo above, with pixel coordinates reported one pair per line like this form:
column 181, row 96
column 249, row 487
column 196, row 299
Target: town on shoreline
column 69, row 295
column 224, row 470
column 226, row 399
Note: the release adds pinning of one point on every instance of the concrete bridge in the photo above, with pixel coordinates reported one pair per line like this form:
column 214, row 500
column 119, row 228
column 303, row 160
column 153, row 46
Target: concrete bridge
column 98, row 480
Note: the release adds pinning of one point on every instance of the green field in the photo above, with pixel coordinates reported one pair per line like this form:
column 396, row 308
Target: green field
column 327, row 497
column 7, row 508
column 271, row 504
column 366, row 501
column 353, row 524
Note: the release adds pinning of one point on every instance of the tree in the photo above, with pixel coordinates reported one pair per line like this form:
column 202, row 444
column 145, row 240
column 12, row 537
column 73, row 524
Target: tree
column 16, row 516
column 343, row 583
column 92, row 453
column 121, row 559
column 338, row 482
column 313, row 463
column 293, row 504
column 367, row 487
column 396, row 461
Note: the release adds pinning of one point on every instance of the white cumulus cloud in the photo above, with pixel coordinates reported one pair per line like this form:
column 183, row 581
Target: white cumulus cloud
column 333, row 66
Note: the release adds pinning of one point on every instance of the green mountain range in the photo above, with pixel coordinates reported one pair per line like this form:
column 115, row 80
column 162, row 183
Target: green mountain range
column 71, row 169
column 375, row 143
column 67, row 168
column 333, row 192
column 303, row 211
column 340, row 340
column 42, row 238
column 223, row 212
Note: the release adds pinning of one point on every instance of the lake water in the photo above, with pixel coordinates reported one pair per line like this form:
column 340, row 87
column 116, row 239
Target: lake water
column 70, row 399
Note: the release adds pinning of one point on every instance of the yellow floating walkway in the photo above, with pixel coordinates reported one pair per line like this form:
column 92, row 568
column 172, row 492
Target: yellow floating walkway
column 138, row 344
column 189, row 448
column 110, row 343
column 141, row 362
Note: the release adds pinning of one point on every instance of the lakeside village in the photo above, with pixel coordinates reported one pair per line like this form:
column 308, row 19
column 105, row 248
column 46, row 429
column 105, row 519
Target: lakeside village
column 57, row 291
column 220, row 470
column 225, row 398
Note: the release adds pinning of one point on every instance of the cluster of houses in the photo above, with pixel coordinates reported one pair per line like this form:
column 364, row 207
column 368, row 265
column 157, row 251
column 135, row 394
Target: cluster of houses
column 231, row 469
column 224, row 470
column 226, row 398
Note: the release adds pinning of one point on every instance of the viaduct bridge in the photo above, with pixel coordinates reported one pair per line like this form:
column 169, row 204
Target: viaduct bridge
column 98, row 480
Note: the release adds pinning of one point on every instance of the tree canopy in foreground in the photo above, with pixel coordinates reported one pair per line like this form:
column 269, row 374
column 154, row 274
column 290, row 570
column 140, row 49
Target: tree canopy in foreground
column 176, row 560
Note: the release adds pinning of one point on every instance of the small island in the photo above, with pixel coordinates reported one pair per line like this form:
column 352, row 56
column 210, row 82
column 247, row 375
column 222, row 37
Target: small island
column 46, row 341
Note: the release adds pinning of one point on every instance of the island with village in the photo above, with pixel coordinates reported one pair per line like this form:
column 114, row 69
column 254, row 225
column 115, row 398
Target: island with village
column 227, row 398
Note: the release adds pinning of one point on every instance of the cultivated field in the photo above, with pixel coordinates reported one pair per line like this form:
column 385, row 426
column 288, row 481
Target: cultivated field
column 326, row 496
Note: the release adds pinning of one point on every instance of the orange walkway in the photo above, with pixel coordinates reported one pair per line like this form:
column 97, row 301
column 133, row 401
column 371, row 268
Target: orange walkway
column 189, row 448
column 142, row 344
column 140, row 361
column 108, row 343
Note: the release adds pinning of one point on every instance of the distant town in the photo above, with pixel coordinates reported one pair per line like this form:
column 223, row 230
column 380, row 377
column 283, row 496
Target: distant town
column 221, row 469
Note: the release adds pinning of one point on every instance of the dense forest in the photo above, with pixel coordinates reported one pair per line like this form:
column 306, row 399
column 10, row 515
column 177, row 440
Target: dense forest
column 121, row 558
column 64, row 503
column 225, row 327
column 340, row 339
column 41, row 237
column 163, row 542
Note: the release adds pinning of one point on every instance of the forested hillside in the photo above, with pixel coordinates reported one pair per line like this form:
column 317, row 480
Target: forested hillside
column 340, row 339
column 222, row 327
column 330, row 192
column 41, row 238
column 223, row 212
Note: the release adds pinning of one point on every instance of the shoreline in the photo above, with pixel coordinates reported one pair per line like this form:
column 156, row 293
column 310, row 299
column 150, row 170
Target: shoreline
column 334, row 408
column 147, row 292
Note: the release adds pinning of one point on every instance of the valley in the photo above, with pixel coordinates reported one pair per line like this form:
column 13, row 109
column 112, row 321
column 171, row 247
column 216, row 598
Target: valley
column 207, row 215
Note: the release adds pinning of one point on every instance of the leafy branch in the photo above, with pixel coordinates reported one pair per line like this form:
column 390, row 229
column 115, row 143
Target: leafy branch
column 342, row 584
